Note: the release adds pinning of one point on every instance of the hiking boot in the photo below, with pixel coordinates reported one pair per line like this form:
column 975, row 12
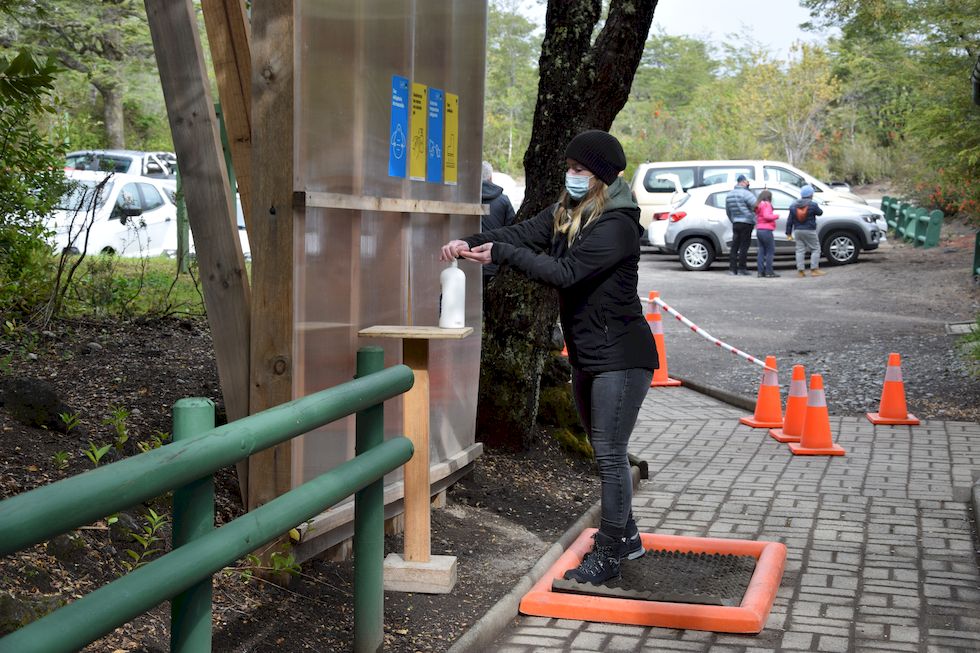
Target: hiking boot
column 773, row 275
column 800, row 273
column 817, row 273
column 761, row 274
column 599, row 565
column 734, row 273
column 631, row 546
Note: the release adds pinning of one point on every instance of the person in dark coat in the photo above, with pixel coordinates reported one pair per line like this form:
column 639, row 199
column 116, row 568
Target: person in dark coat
column 501, row 212
column 587, row 246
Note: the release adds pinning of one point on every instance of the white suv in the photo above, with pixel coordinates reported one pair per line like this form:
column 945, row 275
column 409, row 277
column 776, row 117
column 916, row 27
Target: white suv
column 131, row 162
column 654, row 189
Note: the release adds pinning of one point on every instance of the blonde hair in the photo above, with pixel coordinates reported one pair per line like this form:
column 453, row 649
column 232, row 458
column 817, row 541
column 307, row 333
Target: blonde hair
column 571, row 220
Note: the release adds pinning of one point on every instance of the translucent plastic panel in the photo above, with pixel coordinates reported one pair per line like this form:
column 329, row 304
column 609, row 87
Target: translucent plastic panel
column 355, row 269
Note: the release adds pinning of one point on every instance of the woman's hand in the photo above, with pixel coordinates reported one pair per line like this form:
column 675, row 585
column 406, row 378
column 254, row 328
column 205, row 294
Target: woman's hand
column 453, row 250
column 480, row 254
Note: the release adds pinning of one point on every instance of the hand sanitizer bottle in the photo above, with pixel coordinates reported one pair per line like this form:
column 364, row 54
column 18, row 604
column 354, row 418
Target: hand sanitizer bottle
column 452, row 301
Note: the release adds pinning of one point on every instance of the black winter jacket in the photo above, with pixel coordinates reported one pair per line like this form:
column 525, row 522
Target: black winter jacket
column 596, row 278
column 501, row 215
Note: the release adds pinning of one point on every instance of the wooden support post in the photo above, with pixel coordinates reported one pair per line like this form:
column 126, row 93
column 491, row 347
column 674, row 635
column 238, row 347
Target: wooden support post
column 204, row 179
column 229, row 36
column 415, row 354
column 271, row 235
column 417, row 570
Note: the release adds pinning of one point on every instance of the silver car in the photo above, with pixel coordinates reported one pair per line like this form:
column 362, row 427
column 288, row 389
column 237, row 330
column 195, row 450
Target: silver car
column 699, row 230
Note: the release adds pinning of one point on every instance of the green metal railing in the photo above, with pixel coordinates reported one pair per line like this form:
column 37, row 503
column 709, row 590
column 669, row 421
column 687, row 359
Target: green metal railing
column 186, row 465
column 911, row 223
column 976, row 258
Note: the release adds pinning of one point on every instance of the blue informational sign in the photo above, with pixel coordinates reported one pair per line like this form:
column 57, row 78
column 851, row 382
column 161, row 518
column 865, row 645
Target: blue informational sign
column 435, row 113
column 398, row 151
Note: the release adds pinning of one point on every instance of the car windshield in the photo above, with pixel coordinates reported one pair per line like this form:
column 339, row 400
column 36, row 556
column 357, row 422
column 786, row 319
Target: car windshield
column 84, row 194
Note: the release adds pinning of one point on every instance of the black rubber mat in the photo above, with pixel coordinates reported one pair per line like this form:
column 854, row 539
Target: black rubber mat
column 675, row 577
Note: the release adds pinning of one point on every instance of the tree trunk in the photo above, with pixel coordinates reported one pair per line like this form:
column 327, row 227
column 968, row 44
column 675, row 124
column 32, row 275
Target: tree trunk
column 582, row 85
column 112, row 112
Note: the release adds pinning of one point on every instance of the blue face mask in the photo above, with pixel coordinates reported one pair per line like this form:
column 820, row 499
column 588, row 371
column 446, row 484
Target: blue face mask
column 577, row 185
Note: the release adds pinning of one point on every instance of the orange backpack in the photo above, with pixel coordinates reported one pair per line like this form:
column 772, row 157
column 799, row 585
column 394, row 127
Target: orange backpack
column 801, row 212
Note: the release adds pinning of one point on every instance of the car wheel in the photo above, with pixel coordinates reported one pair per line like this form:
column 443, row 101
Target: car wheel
column 841, row 248
column 696, row 254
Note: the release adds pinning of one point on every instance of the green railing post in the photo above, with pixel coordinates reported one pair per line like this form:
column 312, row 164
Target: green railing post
column 369, row 598
column 976, row 257
column 190, row 611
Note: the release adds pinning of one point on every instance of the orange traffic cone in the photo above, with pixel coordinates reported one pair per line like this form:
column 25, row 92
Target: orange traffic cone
column 892, row 408
column 795, row 409
column 816, row 439
column 654, row 317
column 768, row 405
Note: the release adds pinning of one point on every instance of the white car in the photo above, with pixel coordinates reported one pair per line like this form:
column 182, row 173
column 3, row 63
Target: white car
column 654, row 193
column 132, row 162
column 513, row 190
column 699, row 230
column 170, row 245
column 114, row 213
column 659, row 220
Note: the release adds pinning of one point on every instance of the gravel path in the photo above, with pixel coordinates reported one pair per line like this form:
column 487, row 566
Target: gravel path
column 843, row 325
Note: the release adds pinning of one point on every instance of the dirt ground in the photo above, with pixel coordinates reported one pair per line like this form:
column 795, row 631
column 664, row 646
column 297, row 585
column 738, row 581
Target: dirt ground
column 498, row 521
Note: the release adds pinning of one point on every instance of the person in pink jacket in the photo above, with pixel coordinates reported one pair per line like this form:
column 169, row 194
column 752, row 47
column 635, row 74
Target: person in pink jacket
column 765, row 223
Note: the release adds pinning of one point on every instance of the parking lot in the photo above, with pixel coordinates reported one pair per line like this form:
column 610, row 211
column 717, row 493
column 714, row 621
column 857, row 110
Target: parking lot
column 842, row 325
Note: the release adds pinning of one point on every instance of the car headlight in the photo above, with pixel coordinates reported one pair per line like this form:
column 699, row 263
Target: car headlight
column 870, row 218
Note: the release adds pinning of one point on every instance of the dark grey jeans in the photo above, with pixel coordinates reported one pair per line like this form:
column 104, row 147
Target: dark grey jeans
column 608, row 403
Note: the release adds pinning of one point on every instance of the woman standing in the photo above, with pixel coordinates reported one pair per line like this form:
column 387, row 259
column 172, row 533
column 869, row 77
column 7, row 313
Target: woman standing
column 765, row 223
column 587, row 246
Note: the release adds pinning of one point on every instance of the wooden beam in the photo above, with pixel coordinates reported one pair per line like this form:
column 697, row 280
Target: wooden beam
column 272, row 235
column 321, row 200
column 229, row 36
column 204, row 178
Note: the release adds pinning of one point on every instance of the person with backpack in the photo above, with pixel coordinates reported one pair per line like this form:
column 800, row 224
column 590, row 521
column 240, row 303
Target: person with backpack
column 765, row 224
column 803, row 221
column 740, row 208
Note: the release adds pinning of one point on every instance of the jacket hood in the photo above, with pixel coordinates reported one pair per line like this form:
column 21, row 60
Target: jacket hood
column 620, row 199
column 620, row 196
column 490, row 191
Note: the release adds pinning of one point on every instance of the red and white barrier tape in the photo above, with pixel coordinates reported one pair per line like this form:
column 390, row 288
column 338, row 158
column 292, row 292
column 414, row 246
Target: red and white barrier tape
column 707, row 336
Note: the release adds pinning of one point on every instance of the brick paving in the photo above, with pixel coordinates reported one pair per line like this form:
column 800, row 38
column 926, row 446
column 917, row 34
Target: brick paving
column 881, row 554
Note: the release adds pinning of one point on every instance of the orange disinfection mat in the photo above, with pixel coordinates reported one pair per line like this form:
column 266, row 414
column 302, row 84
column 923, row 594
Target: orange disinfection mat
column 747, row 617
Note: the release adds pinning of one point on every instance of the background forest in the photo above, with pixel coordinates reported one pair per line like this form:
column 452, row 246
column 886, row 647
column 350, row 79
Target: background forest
column 889, row 99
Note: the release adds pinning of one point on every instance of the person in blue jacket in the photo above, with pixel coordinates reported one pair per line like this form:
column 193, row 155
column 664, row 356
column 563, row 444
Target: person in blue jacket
column 801, row 225
column 587, row 246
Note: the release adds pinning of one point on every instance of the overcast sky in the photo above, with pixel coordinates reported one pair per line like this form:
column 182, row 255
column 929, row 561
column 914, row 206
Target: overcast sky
column 771, row 23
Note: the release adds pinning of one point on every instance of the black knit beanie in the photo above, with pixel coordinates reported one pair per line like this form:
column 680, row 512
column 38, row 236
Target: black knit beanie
column 600, row 152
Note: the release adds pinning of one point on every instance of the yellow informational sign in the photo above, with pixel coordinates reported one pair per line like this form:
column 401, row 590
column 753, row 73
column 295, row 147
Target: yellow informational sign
column 417, row 148
column 452, row 139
